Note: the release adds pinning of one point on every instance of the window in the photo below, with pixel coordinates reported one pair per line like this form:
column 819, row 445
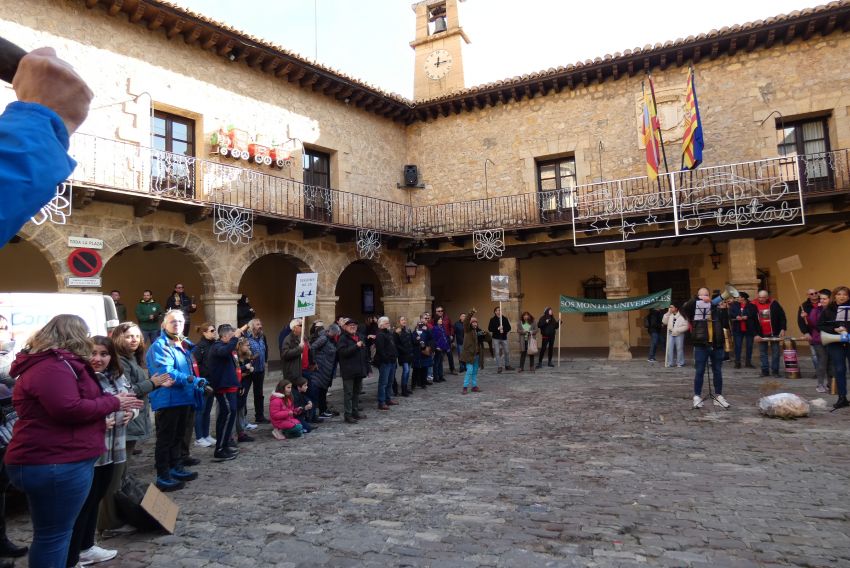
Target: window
column 556, row 180
column 594, row 289
column 678, row 280
column 173, row 161
column 318, row 205
column 810, row 140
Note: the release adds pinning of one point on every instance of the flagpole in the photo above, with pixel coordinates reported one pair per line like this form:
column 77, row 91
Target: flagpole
column 660, row 136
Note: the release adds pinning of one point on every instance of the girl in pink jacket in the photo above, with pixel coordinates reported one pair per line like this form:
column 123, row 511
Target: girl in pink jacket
column 283, row 413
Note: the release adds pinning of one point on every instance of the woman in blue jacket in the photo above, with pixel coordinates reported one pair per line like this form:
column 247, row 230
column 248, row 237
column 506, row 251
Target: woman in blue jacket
column 171, row 354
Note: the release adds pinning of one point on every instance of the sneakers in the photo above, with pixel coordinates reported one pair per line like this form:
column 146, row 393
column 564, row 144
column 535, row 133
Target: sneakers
column 202, row 443
column 821, row 388
column 181, row 474
column 167, row 484
column 327, row 414
column 250, row 426
column 224, row 455
column 211, row 440
column 720, row 401
column 243, row 437
column 96, row 554
column 464, row 391
column 509, row 368
column 476, row 389
column 697, row 401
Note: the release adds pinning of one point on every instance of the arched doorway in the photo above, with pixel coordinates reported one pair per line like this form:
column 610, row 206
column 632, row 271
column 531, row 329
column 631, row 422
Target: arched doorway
column 269, row 283
column 25, row 269
column 155, row 266
column 360, row 291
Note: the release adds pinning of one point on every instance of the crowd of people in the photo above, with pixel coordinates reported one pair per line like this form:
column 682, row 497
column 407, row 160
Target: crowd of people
column 86, row 403
column 738, row 324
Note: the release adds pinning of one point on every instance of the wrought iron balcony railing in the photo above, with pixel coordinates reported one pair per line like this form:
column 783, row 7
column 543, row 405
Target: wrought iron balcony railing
column 728, row 197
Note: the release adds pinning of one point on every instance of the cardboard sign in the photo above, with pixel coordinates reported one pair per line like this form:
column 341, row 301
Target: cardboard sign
column 789, row 264
column 161, row 508
column 305, row 294
column 500, row 290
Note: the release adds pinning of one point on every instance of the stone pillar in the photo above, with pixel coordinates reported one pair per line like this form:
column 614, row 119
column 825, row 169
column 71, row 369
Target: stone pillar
column 395, row 306
column 511, row 309
column 326, row 308
column 417, row 298
column 741, row 254
column 220, row 308
column 617, row 287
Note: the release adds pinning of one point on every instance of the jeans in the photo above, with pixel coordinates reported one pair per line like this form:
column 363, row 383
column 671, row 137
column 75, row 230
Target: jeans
column 461, row 364
column 228, row 406
column 351, row 396
column 170, row 429
column 55, row 493
column 256, row 379
column 150, row 336
column 775, row 350
column 202, row 419
column 405, row 375
column 450, row 356
column 839, row 354
column 675, row 350
column 654, row 340
column 547, row 344
column 470, row 379
column 438, row 363
column 386, row 374
column 739, row 341
column 500, row 346
column 821, row 362
column 82, row 537
column 702, row 353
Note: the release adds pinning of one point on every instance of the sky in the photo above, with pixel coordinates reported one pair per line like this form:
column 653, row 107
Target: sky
column 369, row 39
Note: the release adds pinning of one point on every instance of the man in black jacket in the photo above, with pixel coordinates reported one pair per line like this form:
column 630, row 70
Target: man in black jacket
column 499, row 328
column 548, row 325
column 743, row 317
column 707, row 337
column 404, row 347
column 772, row 325
column 352, row 367
column 224, row 379
column 386, row 356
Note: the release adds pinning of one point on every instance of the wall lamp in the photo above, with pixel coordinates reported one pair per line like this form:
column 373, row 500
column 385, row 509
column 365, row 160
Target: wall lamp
column 715, row 256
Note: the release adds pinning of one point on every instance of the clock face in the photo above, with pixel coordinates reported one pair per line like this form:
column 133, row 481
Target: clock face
column 438, row 64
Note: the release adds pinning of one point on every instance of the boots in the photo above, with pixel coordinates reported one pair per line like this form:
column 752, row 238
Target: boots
column 395, row 387
column 405, row 391
column 840, row 403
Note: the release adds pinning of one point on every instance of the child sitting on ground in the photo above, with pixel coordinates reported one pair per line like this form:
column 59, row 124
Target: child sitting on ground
column 303, row 405
column 282, row 413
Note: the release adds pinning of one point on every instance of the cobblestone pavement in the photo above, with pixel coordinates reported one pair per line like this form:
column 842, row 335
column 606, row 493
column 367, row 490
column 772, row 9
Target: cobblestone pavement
column 593, row 464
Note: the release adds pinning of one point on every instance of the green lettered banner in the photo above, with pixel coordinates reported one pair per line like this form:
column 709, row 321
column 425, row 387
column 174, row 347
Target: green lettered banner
column 570, row 305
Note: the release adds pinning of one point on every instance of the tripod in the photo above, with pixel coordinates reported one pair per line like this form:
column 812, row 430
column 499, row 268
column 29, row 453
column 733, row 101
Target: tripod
column 709, row 378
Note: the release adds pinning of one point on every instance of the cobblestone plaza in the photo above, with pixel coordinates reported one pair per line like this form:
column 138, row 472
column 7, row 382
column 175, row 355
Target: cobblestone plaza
column 595, row 463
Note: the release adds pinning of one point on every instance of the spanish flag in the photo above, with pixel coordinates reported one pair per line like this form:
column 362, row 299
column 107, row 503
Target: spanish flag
column 692, row 140
column 651, row 136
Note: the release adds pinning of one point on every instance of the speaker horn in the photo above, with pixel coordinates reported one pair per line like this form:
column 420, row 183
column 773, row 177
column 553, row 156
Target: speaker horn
column 827, row 338
column 729, row 292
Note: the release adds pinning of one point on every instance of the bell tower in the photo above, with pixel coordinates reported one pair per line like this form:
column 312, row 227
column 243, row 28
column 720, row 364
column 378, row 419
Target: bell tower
column 439, row 49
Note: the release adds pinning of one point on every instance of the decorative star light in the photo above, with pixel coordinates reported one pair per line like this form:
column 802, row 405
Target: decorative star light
column 233, row 224
column 368, row 243
column 58, row 209
column 651, row 219
column 488, row 243
column 599, row 229
column 627, row 229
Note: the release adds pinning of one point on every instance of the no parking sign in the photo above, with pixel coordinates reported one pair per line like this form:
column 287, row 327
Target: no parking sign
column 85, row 262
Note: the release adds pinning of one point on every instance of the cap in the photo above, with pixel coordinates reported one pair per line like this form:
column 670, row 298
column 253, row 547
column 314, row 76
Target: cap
column 349, row 321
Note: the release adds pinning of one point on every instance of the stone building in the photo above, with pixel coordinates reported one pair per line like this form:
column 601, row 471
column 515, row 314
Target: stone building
column 229, row 164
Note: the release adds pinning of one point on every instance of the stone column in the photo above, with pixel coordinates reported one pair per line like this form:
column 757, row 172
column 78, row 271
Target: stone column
column 220, row 308
column 326, row 308
column 395, row 306
column 511, row 309
column 741, row 254
column 617, row 287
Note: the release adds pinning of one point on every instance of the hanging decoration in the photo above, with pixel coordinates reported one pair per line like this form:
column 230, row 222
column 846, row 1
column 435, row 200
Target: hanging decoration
column 241, row 145
column 488, row 243
column 58, row 209
column 368, row 243
column 234, row 225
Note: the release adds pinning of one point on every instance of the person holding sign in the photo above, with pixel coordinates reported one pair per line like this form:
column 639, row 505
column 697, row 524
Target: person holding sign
column 707, row 336
column 499, row 328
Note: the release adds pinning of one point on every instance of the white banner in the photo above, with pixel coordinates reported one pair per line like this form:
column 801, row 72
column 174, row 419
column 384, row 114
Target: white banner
column 306, row 285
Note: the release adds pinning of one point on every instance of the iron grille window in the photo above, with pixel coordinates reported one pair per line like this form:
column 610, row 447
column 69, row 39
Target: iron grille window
column 173, row 160
column 317, row 182
column 556, row 181
column 594, row 289
column 810, row 140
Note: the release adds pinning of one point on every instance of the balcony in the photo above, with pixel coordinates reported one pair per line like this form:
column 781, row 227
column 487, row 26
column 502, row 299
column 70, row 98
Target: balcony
column 735, row 197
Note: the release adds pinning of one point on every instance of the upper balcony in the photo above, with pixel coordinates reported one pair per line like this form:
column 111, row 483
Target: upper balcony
column 761, row 194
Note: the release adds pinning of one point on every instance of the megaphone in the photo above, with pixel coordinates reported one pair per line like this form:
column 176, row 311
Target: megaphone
column 827, row 338
column 729, row 292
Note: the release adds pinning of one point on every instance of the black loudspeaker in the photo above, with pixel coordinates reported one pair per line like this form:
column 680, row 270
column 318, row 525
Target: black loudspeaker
column 411, row 175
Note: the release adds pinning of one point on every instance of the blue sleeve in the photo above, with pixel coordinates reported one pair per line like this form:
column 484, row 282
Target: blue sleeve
column 33, row 161
column 162, row 360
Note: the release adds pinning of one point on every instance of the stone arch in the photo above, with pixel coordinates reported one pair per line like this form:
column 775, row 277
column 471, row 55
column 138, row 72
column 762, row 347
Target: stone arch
column 303, row 259
column 384, row 267
column 49, row 240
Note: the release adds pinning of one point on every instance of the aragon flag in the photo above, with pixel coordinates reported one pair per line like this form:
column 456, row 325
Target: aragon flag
column 692, row 140
column 651, row 140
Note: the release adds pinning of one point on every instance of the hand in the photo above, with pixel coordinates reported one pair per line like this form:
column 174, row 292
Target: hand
column 45, row 79
column 807, row 337
column 238, row 332
column 500, row 330
column 129, row 401
column 194, row 306
column 150, row 317
column 110, row 421
column 128, row 416
column 309, row 406
column 359, row 344
column 169, row 382
column 160, row 379
column 782, row 334
column 841, row 329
